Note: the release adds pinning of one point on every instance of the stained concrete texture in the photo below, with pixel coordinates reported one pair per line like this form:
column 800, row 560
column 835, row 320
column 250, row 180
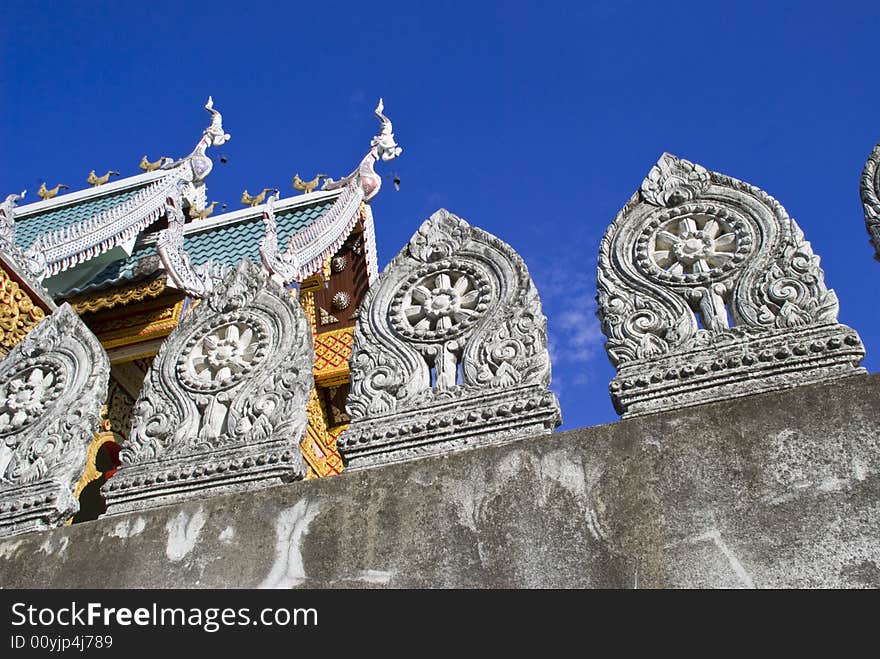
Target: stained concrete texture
column 772, row 490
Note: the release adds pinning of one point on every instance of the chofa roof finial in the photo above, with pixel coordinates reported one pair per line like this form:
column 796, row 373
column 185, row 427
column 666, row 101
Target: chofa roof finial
column 384, row 142
column 215, row 130
column 381, row 146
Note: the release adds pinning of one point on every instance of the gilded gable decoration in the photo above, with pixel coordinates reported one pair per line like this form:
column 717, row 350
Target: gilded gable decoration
column 52, row 387
column 450, row 350
column 708, row 290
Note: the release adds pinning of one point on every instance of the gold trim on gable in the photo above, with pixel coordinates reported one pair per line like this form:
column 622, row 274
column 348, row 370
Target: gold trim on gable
column 119, row 296
column 18, row 313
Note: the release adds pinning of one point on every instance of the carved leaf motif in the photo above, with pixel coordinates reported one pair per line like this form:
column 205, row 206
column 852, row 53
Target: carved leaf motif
column 792, row 293
column 438, row 239
column 673, row 181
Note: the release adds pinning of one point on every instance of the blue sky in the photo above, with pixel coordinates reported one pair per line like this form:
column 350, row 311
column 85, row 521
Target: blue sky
column 534, row 121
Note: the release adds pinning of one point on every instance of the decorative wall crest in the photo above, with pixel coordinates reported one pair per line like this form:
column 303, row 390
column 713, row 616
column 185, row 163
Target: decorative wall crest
column 52, row 387
column 450, row 350
column 708, row 290
column 870, row 191
column 223, row 407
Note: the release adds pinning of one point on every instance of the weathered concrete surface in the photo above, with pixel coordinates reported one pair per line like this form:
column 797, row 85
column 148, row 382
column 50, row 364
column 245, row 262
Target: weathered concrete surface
column 774, row 490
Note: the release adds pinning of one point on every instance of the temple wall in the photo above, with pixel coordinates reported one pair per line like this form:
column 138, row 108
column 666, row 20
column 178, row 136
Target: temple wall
column 778, row 489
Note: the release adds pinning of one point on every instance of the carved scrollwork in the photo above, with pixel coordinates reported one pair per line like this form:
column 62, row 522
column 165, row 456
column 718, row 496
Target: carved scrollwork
column 454, row 316
column 870, row 193
column 699, row 261
column 224, row 404
column 52, row 387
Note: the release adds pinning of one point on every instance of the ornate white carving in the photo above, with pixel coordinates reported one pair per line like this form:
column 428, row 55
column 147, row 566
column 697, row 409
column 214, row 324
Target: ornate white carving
column 194, row 280
column 223, row 407
column 381, row 146
column 31, row 263
column 52, row 387
column 449, row 352
column 708, row 290
column 7, row 220
column 327, row 318
column 284, row 266
column 309, row 248
column 673, row 180
column 870, row 192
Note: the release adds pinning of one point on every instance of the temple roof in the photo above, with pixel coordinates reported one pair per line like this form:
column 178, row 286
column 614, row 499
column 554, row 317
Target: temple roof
column 68, row 209
column 225, row 239
column 97, row 237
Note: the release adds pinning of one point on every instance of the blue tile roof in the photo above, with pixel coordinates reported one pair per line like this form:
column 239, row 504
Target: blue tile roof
column 28, row 227
column 226, row 244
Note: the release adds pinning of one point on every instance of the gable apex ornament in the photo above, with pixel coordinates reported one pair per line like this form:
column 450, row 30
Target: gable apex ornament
column 673, row 181
column 382, row 147
column 707, row 289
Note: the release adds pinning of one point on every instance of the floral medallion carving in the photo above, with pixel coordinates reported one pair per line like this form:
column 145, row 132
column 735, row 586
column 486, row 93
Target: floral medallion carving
column 450, row 351
column 694, row 244
column 25, row 397
column 223, row 406
column 707, row 290
column 222, row 354
column 440, row 302
column 52, row 387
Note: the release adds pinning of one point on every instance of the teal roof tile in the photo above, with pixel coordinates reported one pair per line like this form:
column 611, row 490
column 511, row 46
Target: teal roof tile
column 28, row 227
column 225, row 244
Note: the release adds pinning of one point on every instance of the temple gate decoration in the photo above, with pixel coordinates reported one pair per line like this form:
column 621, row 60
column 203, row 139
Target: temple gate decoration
column 707, row 290
column 870, row 192
column 223, row 407
column 52, row 386
column 450, row 351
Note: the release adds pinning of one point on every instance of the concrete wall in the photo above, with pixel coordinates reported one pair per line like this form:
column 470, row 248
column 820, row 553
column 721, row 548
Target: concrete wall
column 774, row 490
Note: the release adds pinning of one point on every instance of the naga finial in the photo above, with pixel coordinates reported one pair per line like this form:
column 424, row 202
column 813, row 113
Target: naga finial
column 284, row 266
column 7, row 219
column 10, row 202
column 213, row 135
column 386, row 147
column 381, row 146
column 215, row 130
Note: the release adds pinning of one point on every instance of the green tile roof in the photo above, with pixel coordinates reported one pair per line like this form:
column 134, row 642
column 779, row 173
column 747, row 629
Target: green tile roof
column 226, row 244
column 28, row 227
